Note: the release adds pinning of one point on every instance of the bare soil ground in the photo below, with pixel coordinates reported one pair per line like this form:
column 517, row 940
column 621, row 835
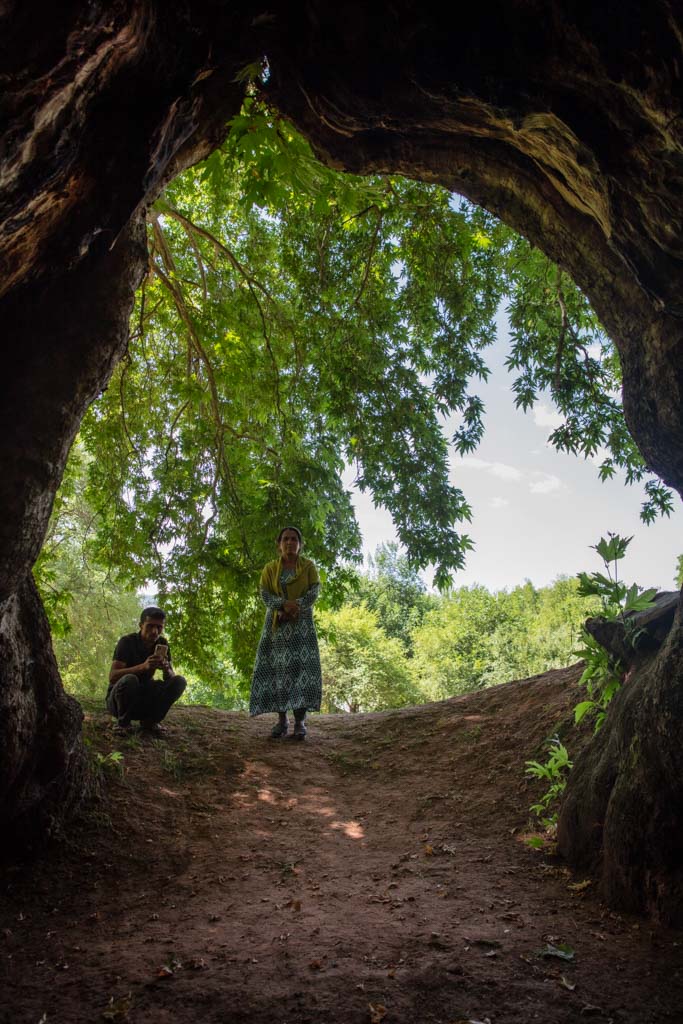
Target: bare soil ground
column 374, row 873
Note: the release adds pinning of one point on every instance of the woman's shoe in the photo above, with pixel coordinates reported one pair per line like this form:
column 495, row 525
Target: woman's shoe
column 280, row 730
column 299, row 729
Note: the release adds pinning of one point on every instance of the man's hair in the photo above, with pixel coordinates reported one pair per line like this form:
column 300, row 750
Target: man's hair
column 151, row 613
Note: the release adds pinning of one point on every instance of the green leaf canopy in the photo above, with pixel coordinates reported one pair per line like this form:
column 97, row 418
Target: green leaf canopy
column 293, row 321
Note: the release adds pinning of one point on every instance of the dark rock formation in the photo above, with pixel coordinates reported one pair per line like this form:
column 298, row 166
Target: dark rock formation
column 562, row 118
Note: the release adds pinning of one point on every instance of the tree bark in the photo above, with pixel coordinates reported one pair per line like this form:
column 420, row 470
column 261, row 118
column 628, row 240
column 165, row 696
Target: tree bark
column 621, row 815
column 102, row 103
column 43, row 768
column 565, row 121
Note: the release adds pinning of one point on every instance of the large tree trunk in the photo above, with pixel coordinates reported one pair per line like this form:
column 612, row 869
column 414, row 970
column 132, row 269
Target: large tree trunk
column 55, row 372
column 42, row 764
column 103, row 106
column 565, row 121
column 621, row 815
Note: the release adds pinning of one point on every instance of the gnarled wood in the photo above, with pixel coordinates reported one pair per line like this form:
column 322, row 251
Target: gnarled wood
column 632, row 640
column 100, row 108
column 42, row 763
column 564, row 119
column 621, row 815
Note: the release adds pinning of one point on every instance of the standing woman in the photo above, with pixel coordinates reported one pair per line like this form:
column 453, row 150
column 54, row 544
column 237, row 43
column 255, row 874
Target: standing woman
column 287, row 670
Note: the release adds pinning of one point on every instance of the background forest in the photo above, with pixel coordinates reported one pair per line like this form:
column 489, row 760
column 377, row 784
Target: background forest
column 294, row 321
column 389, row 644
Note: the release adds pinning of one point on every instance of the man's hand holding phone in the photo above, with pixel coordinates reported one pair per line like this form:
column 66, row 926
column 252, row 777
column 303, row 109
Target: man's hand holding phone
column 161, row 651
column 157, row 660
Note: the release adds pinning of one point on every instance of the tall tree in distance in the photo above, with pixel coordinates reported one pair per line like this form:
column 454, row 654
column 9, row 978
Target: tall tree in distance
column 364, row 669
column 393, row 589
column 88, row 605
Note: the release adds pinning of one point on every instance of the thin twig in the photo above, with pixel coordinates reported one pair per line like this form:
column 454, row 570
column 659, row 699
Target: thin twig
column 371, row 253
column 126, row 367
column 252, row 283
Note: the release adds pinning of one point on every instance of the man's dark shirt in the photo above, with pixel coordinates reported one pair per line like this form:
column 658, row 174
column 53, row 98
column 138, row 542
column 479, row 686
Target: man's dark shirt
column 131, row 650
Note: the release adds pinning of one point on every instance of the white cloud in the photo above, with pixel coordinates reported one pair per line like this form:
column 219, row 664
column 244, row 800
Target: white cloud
column 498, row 502
column 544, row 416
column 471, row 462
column 505, row 472
column 545, row 484
column 498, row 469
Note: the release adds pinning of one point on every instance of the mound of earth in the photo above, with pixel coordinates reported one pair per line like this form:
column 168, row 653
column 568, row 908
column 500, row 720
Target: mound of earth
column 376, row 872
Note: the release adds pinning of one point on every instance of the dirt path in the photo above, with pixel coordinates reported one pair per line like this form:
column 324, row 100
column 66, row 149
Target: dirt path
column 373, row 873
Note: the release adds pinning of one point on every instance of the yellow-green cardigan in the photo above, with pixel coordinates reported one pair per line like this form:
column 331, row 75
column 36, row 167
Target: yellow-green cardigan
column 305, row 576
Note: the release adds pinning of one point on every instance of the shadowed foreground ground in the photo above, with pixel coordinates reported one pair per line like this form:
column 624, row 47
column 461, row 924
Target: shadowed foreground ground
column 374, row 873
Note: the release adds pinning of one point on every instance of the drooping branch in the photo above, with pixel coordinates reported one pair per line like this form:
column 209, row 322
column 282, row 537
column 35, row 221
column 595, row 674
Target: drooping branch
column 253, row 284
column 368, row 261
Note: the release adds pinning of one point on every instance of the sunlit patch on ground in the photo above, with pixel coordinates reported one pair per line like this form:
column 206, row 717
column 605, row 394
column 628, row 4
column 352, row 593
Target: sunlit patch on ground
column 230, row 879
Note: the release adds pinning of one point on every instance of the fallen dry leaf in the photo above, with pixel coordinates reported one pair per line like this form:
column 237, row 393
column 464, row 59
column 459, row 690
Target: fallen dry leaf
column 561, row 951
column 197, row 963
column 377, row 1012
column 118, row 1009
column 470, row 1020
column 169, row 969
column 579, row 886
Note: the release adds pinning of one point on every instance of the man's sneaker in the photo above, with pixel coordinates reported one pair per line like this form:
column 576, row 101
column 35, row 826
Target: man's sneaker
column 152, row 729
column 122, row 729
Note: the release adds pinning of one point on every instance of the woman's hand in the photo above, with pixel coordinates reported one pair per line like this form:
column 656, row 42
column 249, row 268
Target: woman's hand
column 291, row 610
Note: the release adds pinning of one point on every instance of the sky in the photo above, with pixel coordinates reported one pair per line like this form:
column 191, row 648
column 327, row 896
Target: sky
column 536, row 511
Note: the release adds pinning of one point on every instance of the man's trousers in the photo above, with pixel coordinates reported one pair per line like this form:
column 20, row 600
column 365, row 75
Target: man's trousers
column 129, row 699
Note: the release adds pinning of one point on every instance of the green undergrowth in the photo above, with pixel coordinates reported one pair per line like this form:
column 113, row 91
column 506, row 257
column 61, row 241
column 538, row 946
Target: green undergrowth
column 602, row 676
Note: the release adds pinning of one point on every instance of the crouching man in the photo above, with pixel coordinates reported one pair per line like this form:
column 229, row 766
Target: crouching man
column 134, row 694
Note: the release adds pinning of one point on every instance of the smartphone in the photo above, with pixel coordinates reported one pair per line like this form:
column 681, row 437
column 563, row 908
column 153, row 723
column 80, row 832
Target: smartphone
column 161, row 650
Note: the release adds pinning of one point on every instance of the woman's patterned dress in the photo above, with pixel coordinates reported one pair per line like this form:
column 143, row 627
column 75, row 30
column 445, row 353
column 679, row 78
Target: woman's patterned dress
column 287, row 671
